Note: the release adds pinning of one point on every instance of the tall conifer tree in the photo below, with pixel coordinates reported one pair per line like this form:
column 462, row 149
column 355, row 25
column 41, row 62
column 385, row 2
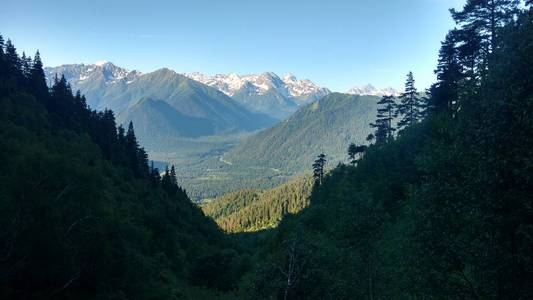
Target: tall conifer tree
column 444, row 93
column 26, row 64
column 37, row 78
column 11, row 58
column 386, row 113
column 318, row 168
column 409, row 107
column 479, row 23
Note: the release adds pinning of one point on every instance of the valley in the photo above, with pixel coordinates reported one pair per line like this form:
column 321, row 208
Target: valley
column 123, row 185
column 228, row 132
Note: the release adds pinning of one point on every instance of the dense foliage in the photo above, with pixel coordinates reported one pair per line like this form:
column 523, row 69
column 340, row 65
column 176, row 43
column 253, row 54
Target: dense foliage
column 82, row 214
column 442, row 211
column 253, row 210
column 325, row 126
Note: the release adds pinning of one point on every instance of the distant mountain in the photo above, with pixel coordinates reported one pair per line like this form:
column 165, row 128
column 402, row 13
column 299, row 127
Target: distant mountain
column 162, row 103
column 94, row 80
column 328, row 125
column 370, row 90
column 158, row 119
column 266, row 92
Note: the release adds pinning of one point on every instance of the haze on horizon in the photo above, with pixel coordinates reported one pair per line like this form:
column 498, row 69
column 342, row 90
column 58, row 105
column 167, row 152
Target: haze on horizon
column 337, row 44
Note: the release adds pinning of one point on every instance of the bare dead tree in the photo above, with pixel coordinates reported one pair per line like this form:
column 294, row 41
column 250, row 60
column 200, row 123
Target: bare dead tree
column 295, row 265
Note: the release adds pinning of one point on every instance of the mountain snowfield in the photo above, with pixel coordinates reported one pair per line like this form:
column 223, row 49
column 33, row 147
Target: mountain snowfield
column 77, row 73
column 288, row 86
column 266, row 92
column 370, row 90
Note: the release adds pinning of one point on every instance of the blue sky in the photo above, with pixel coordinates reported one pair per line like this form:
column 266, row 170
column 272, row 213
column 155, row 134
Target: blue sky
column 336, row 43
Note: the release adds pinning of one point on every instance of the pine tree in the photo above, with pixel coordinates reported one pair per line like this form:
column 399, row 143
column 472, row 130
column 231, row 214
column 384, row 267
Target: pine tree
column 12, row 59
column 121, row 134
column 131, row 140
column 26, row 64
column 385, row 114
column 479, row 22
column 108, row 134
column 131, row 148
column 61, row 102
column 409, row 107
column 318, row 168
column 37, row 79
column 142, row 163
column 444, row 93
column 77, row 97
column 12, row 69
column 61, row 88
column 169, row 180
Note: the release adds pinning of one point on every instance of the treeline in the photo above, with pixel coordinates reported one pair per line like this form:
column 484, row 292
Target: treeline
column 82, row 214
column 254, row 210
column 441, row 209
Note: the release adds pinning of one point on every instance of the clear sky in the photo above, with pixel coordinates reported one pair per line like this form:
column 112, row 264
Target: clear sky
column 336, row 43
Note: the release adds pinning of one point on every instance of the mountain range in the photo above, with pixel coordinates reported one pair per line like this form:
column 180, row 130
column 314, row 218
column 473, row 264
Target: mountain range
column 229, row 129
column 162, row 102
column 266, row 92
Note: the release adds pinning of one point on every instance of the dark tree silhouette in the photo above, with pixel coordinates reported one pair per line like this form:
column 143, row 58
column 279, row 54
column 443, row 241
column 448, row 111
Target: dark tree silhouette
column 485, row 17
column 444, row 93
column 409, row 107
column 386, row 113
column 318, row 168
column 37, row 80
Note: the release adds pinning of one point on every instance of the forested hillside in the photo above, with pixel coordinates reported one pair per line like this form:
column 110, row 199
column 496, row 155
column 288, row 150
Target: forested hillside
column 327, row 125
column 82, row 214
column 254, row 210
column 438, row 205
column 442, row 210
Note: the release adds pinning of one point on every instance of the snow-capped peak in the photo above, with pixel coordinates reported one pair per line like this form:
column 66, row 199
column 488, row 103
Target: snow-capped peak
column 101, row 70
column 100, row 63
column 370, row 90
column 289, row 77
column 288, row 86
